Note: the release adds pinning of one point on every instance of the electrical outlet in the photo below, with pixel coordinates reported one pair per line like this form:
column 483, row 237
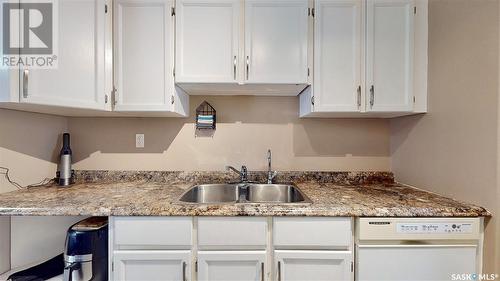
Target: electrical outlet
column 139, row 140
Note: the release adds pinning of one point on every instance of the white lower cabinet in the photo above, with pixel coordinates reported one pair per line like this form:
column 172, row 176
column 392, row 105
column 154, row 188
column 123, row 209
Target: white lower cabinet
column 231, row 248
column 152, row 265
column 300, row 265
column 232, row 265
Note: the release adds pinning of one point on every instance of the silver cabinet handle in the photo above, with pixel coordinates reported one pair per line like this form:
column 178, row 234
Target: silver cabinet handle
column 372, row 96
column 26, row 74
column 248, row 66
column 279, row 271
column 359, row 96
column 262, row 272
column 234, row 67
column 184, row 271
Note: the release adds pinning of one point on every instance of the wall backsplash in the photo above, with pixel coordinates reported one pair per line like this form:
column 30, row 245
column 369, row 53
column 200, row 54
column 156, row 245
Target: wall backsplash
column 246, row 128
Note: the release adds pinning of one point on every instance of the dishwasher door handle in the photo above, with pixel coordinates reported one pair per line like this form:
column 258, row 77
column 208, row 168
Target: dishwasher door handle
column 418, row 246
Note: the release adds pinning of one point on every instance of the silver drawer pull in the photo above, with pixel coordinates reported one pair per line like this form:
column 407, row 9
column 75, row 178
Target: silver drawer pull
column 184, row 265
column 262, row 272
column 359, row 96
column 279, row 271
column 248, row 67
column 26, row 74
column 372, row 96
column 234, row 67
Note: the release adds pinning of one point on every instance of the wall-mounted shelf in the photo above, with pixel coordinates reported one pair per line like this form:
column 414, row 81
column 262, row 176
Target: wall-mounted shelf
column 206, row 117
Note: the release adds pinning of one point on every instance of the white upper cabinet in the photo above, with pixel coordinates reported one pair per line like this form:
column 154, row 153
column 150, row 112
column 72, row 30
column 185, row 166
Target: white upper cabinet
column 256, row 47
column 337, row 55
column 276, row 34
column 368, row 55
column 144, row 76
column 345, row 58
column 80, row 80
column 208, row 35
column 389, row 56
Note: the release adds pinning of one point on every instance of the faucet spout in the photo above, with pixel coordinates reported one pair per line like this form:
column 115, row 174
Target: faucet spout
column 270, row 174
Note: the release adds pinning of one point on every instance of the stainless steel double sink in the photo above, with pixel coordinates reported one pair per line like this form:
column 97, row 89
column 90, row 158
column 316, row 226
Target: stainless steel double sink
column 244, row 193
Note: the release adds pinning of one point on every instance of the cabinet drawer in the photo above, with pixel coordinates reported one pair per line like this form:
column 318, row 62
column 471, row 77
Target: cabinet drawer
column 174, row 232
column 312, row 233
column 232, row 233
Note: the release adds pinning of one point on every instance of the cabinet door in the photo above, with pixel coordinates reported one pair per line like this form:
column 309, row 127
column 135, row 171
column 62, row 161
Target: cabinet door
column 337, row 62
column 207, row 40
column 144, row 52
column 390, row 55
column 152, row 265
column 79, row 80
column 313, row 265
column 231, row 266
column 276, row 33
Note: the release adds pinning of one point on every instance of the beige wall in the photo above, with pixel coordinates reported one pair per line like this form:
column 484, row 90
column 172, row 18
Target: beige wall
column 453, row 149
column 29, row 146
column 246, row 128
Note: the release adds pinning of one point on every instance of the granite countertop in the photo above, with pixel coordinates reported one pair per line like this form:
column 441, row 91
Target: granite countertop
column 104, row 193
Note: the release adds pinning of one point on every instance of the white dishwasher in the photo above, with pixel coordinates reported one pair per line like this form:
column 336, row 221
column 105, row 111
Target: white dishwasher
column 417, row 248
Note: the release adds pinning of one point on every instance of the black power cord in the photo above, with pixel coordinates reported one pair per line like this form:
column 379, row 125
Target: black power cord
column 44, row 182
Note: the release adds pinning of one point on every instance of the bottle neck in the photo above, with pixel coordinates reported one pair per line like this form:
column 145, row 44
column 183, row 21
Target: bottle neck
column 66, row 149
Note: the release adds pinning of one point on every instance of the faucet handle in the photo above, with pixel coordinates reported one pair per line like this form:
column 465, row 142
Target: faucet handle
column 244, row 173
column 270, row 176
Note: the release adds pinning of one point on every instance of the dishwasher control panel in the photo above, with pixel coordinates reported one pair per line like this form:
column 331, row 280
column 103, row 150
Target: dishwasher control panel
column 418, row 228
column 438, row 227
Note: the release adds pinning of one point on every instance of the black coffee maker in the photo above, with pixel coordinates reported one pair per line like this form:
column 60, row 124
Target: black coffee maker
column 86, row 251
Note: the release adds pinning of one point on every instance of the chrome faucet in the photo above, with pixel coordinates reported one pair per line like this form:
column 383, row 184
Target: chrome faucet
column 270, row 174
column 243, row 173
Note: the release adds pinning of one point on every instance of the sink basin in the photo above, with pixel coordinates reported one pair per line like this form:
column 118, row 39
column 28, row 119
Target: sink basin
column 212, row 193
column 275, row 193
column 244, row 193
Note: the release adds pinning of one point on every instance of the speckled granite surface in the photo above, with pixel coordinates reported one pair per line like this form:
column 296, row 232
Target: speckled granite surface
column 103, row 193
